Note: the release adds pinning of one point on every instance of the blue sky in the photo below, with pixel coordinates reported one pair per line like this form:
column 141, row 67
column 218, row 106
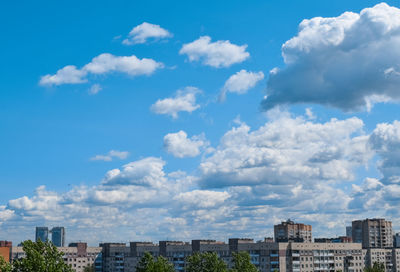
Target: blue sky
column 209, row 120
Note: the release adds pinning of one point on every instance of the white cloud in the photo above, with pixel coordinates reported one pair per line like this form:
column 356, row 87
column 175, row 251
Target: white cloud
column 310, row 114
column 67, row 75
column 179, row 145
column 145, row 172
column 145, row 31
column 184, row 100
column 201, row 198
column 102, row 64
column 110, row 155
column 95, row 89
column 385, row 140
column 216, row 54
column 131, row 65
column 290, row 167
column 5, row 214
column 285, row 149
column 349, row 62
column 241, row 82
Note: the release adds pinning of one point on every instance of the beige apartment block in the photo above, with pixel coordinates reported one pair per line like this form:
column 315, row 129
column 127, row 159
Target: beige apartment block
column 290, row 231
column 373, row 233
column 389, row 257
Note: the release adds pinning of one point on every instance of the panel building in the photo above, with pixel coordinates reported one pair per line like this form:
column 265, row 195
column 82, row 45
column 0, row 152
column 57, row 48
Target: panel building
column 290, row 231
column 266, row 256
column 373, row 233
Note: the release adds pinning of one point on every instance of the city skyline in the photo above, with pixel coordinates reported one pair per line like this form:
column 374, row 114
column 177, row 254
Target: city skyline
column 152, row 121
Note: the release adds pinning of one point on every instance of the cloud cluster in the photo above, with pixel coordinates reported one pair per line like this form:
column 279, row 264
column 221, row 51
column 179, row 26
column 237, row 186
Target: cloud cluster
column 184, row 100
column 282, row 151
column 349, row 62
column 289, row 167
column 180, row 146
column 111, row 155
column 241, row 82
column 216, row 54
column 102, row 64
column 145, row 31
column 385, row 140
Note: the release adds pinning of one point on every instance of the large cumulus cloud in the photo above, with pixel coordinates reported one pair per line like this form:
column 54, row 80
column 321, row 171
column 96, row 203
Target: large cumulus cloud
column 348, row 62
column 286, row 150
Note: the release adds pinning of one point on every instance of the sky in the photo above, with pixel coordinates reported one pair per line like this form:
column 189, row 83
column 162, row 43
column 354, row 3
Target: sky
column 155, row 120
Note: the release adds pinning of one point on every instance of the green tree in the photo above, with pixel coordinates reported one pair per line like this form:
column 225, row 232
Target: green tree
column 242, row 263
column 148, row 264
column 205, row 262
column 40, row 257
column 377, row 267
column 4, row 266
column 89, row 268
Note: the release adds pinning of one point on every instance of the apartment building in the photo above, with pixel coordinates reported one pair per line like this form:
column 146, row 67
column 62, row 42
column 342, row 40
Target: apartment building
column 373, row 233
column 267, row 256
column 389, row 257
column 176, row 252
column 78, row 255
column 290, row 231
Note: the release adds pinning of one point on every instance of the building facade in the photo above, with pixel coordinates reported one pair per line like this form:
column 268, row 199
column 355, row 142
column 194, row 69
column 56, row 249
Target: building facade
column 42, row 233
column 290, row 231
column 373, row 233
column 58, row 236
column 349, row 231
column 77, row 255
column 5, row 250
column 267, row 256
column 396, row 240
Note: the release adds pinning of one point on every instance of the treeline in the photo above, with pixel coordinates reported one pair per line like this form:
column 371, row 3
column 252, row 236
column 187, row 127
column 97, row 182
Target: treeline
column 40, row 257
column 198, row 262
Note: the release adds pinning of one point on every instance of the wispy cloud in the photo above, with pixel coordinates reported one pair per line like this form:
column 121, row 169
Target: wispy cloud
column 111, row 155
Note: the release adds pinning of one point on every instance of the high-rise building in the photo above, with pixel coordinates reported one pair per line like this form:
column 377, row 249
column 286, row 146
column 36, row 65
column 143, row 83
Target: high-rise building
column 294, row 232
column 373, row 233
column 348, row 231
column 396, row 240
column 58, row 236
column 42, row 233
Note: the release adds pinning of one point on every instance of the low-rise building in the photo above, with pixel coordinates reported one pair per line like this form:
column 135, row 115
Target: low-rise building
column 5, row 250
